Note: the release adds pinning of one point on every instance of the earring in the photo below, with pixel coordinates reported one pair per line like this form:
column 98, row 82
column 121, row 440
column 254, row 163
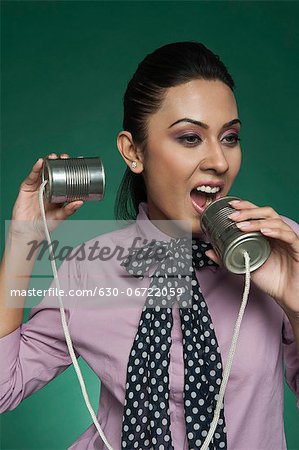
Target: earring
column 134, row 165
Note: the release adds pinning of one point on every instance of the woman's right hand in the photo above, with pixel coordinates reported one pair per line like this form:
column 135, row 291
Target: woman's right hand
column 26, row 214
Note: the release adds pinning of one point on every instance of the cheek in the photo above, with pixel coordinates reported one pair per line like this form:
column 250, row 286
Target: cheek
column 165, row 163
column 234, row 161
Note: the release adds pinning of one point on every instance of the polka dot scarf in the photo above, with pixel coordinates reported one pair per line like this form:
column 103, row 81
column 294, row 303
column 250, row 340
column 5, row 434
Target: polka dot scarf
column 146, row 421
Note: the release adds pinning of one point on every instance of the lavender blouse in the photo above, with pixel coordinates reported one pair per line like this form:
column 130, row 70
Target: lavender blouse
column 103, row 328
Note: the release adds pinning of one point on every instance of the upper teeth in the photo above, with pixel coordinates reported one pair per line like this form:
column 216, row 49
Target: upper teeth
column 208, row 189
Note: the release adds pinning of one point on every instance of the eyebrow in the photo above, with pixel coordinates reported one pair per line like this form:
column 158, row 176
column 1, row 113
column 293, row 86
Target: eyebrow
column 204, row 125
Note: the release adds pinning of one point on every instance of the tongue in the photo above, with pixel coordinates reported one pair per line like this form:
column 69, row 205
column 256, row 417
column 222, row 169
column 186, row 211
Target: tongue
column 198, row 197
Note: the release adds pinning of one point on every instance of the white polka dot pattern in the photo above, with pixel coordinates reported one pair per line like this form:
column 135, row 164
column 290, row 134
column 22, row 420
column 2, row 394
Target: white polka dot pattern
column 146, row 420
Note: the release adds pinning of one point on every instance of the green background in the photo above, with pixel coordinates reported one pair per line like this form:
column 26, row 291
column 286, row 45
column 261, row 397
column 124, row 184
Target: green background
column 65, row 67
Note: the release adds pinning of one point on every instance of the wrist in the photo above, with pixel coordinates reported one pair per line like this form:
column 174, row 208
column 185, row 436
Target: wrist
column 24, row 238
column 19, row 231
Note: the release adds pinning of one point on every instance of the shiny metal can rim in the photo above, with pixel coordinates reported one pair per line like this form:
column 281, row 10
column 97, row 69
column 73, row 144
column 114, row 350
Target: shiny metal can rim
column 252, row 236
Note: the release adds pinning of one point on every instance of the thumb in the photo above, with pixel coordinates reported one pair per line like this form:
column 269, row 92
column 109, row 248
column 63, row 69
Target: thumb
column 213, row 256
column 31, row 181
column 67, row 210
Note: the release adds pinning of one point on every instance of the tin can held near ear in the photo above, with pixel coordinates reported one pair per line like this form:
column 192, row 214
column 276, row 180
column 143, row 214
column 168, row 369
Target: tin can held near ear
column 73, row 179
column 229, row 242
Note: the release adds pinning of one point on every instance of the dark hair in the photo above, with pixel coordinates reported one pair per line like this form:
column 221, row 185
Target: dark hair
column 168, row 66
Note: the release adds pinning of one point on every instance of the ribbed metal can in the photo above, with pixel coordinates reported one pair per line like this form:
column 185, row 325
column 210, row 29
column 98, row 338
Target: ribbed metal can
column 73, row 179
column 229, row 242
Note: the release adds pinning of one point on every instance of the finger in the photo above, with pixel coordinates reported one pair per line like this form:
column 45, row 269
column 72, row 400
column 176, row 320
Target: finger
column 67, row 210
column 247, row 210
column 256, row 225
column 288, row 236
column 213, row 256
column 245, row 204
column 34, row 175
column 265, row 212
column 241, row 204
column 64, row 156
column 52, row 156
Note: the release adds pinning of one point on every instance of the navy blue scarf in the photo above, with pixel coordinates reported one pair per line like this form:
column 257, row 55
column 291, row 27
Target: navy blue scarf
column 146, row 421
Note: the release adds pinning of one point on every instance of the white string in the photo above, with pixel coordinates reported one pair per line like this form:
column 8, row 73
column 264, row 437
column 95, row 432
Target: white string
column 75, row 362
column 64, row 324
column 231, row 353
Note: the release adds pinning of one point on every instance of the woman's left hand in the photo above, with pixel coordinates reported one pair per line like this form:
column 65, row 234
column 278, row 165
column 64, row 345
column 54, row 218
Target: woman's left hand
column 279, row 275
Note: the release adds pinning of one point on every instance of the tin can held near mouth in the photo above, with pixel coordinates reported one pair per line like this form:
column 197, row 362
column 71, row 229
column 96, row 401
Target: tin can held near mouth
column 229, row 242
column 73, row 179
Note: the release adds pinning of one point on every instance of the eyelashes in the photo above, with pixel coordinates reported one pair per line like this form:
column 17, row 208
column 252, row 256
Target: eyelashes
column 191, row 140
column 235, row 138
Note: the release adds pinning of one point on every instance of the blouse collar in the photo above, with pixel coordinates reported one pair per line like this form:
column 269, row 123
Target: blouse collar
column 148, row 231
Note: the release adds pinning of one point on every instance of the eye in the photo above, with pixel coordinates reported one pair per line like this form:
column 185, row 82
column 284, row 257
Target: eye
column 232, row 138
column 190, row 139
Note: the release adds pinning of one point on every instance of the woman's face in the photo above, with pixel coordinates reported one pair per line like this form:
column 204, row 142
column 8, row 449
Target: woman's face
column 182, row 156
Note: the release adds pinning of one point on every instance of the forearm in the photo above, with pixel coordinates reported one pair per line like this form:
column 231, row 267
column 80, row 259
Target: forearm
column 15, row 273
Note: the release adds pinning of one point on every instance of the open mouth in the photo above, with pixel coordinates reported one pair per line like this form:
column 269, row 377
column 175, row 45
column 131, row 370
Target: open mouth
column 201, row 198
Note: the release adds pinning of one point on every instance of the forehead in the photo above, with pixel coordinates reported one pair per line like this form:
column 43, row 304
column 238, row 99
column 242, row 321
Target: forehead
column 210, row 101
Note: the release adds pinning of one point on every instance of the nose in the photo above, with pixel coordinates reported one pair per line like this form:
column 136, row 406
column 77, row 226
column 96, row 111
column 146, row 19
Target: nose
column 215, row 160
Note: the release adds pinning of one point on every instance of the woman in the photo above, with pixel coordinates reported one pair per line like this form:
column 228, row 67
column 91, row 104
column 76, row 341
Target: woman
column 180, row 141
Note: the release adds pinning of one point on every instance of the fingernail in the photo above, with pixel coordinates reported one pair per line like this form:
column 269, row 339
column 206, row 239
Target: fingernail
column 243, row 224
column 234, row 202
column 266, row 230
column 234, row 215
column 77, row 205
